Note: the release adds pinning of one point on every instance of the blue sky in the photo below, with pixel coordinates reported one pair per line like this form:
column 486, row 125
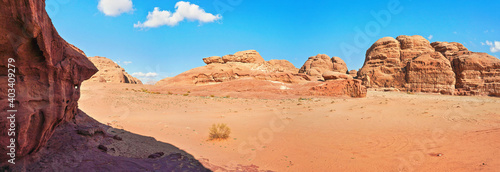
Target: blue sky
column 172, row 43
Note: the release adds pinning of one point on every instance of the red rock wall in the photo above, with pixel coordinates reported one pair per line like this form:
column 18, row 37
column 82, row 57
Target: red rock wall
column 49, row 74
column 412, row 63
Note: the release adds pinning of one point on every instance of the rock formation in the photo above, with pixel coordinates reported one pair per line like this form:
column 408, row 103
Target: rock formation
column 349, row 87
column 315, row 66
column 249, row 56
column 109, row 71
column 353, row 73
column 331, row 75
column 449, row 50
column 382, row 66
column 430, row 72
column 246, row 74
column 51, row 133
column 241, row 65
column 49, row 72
column 412, row 63
column 477, row 74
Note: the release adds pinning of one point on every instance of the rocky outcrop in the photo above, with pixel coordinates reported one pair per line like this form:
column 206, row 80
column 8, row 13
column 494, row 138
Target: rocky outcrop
column 477, row 74
column 111, row 72
column 249, row 56
column 382, row 66
column 242, row 65
column 349, row 87
column 216, row 73
column 213, row 59
column 315, row 66
column 331, row 75
column 284, row 78
column 413, row 46
column 283, row 66
column 430, row 72
column 48, row 75
column 450, row 50
column 412, row 63
column 353, row 73
column 339, row 65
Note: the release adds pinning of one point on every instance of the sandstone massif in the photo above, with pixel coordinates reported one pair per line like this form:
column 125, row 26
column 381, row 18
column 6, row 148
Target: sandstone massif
column 51, row 133
column 249, row 65
column 414, row 64
column 111, row 72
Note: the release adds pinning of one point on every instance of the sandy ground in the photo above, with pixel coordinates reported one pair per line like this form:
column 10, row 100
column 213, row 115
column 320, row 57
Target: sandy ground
column 386, row 131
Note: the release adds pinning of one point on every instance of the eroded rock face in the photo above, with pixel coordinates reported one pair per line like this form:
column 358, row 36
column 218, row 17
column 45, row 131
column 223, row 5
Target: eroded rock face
column 349, row 87
column 477, row 74
column 109, row 71
column 411, row 63
column 382, row 66
column 430, row 72
column 49, row 72
column 413, row 46
column 450, row 50
column 248, row 56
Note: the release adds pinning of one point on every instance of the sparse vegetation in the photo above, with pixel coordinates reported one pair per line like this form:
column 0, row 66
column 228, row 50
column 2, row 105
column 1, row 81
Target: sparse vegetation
column 187, row 94
column 227, row 96
column 219, row 132
column 212, row 95
column 147, row 91
column 170, row 93
column 304, row 99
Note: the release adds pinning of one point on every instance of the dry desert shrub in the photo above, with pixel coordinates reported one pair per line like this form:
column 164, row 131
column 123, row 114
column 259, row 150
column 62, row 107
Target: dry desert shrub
column 219, row 132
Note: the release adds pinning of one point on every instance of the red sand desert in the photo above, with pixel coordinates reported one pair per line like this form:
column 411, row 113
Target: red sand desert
column 386, row 131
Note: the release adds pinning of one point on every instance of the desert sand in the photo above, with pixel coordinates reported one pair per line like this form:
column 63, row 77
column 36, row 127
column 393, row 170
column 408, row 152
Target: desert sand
column 386, row 131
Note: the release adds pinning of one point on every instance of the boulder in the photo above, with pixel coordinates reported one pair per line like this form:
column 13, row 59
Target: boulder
column 111, row 72
column 213, row 59
column 315, row 66
column 339, row 65
column 249, row 56
column 331, row 75
column 48, row 75
column 430, row 72
column 353, row 73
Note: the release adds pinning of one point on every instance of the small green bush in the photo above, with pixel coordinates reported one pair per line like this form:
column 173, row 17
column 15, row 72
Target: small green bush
column 219, row 132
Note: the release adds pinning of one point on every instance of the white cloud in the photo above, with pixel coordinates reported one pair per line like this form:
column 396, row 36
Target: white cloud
column 114, row 7
column 482, row 43
column 149, row 74
column 455, row 32
column 127, row 62
column 183, row 10
column 430, row 37
column 494, row 46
